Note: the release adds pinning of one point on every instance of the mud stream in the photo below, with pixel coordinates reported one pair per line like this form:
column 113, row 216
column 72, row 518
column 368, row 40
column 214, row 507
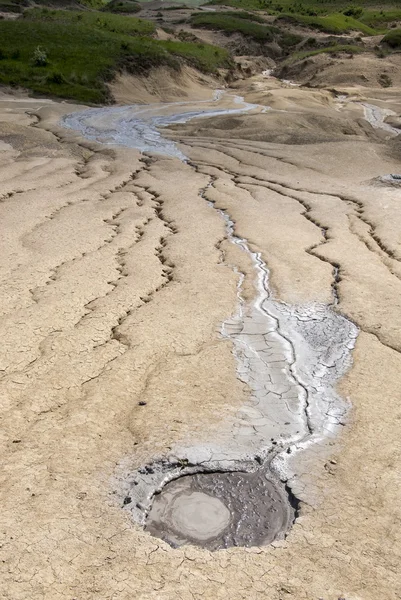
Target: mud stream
column 238, row 488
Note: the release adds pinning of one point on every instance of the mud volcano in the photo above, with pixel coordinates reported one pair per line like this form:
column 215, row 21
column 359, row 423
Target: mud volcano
column 219, row 510
column 228, row 489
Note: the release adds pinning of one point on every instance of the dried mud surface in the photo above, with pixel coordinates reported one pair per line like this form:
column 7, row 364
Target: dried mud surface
column 113, row 292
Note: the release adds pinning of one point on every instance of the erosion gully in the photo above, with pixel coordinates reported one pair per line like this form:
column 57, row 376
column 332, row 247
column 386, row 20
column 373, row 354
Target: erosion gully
column 240, row 488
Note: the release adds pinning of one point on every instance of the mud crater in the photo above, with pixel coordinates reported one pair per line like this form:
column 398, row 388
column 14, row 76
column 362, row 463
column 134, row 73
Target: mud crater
column 220, row 510
column 213, row 509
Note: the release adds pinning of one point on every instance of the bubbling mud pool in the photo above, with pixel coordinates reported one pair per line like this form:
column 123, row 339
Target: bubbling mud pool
column 239, row 488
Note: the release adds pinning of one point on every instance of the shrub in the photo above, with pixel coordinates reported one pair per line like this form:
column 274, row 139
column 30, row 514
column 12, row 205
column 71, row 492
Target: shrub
column 353, row 11
column 385, row 80
column 332, row 50
column 57, row 78
column 40, row 57
column 290, row 39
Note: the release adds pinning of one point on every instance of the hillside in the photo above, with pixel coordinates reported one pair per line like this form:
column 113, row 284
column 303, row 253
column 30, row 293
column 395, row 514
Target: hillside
column 73, row 54
column 299, row 40
column 74, row 48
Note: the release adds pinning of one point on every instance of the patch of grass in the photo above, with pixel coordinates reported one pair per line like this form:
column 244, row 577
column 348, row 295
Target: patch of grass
column 244, row 23
column 205, row 57
column 91, row 3
column 145, row 54
column 80, row 58
column 288, row 40
column 349, row 49
column 323, row 7
column 122, row 6
column 336, row 23
column 246, row 4
column 93, row 19
column 83, row 57
column 175, row 7
column 393, row 39
column 365, row 14
column 231, row 24
column 243, row 14
column 20, row 5
column 379, row 19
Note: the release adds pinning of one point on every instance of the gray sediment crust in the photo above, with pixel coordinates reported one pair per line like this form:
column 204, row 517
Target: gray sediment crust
column 138, row 126
column 376, row 116
column 230, row 491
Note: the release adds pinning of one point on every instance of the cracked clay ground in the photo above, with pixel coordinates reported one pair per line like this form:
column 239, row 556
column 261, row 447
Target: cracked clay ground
column 115, row 280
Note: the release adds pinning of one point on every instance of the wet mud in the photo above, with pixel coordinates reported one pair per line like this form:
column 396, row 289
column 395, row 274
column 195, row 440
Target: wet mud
column 220, row 510
column 138, row 126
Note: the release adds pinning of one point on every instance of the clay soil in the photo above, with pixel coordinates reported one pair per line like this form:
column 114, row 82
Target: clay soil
column 113, row 291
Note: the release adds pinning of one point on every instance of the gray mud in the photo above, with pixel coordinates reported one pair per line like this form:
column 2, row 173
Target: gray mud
column 377, row 116
column 230, row 490
column 137, row 126
column 220, row 510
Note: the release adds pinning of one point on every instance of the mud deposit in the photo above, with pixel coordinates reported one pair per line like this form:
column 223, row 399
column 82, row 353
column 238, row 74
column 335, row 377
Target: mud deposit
column 229, row 491
column 219, row 510
column 137, row 126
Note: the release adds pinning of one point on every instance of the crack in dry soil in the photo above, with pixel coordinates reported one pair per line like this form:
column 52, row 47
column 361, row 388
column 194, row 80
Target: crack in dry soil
column 215, row 494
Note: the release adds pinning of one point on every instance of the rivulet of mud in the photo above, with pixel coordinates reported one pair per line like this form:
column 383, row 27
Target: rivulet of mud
column 231, row 490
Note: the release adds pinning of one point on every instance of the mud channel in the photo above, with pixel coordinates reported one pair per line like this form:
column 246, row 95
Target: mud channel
column 238, row 489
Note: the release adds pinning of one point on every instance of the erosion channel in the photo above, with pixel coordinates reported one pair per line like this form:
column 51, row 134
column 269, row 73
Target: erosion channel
column 239, row 488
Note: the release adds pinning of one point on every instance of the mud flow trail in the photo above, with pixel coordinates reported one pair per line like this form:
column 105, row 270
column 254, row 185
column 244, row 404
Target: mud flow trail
column 137, row 126
column 235, row 489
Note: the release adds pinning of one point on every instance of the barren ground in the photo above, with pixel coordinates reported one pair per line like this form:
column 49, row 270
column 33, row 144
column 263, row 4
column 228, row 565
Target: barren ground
column 113, row 291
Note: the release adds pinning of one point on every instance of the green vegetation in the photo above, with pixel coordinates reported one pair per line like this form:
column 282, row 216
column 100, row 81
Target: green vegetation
column 74, row 52
column 243, row 14
column 20, row 5
column 244, row 23
column 122, row 6
column 93, row 20
column 229, row 23
column 204, row 57
column 393, row 39
column 73, row 55
column 349, row 49
column 79, row 58
column 323, row 7
column 336, row 23
column 175, row 7
column 89, row 3
column 379, row 19
column 336, row 16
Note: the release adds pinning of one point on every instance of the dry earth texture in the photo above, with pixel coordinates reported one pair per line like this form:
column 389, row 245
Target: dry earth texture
column 113, row 289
